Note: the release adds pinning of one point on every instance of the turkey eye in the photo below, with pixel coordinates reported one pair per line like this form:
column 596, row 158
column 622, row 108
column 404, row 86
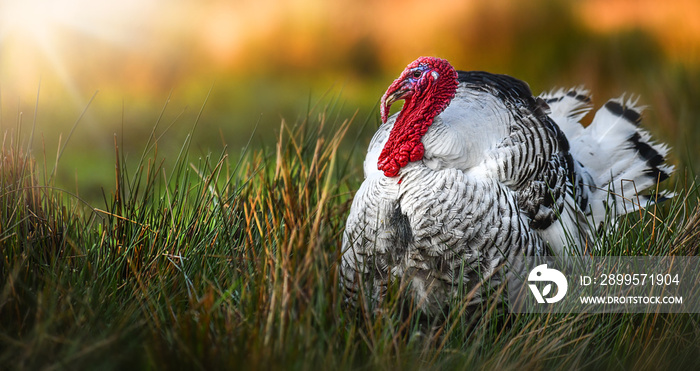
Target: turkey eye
column 417, row 74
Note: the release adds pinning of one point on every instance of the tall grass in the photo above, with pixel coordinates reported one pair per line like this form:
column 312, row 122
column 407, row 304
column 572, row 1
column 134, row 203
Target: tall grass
column 218, row 263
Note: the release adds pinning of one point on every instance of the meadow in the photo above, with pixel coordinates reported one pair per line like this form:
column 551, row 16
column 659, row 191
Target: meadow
column 201, row 228
column 229, row 261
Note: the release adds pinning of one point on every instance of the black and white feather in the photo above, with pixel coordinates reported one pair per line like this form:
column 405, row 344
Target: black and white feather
column 504, row 173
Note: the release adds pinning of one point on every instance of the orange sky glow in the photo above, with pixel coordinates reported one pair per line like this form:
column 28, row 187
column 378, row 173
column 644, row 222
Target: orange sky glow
column 147, row 46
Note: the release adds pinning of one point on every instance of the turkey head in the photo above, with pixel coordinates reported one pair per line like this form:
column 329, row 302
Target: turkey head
column 427, row 86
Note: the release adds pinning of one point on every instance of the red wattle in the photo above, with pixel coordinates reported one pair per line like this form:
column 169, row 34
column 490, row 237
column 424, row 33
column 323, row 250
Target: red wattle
column 403, row 146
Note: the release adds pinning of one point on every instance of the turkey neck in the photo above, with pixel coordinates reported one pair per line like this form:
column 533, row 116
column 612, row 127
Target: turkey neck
column 404, row 144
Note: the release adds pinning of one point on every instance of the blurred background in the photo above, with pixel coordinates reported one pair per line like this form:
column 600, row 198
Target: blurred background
column 259, row 61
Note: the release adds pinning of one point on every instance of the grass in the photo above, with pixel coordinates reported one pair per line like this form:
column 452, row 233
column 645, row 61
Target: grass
column 217, row 263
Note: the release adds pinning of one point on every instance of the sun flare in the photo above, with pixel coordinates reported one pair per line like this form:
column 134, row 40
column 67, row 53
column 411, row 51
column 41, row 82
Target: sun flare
column 50, row 36
column 30, row 18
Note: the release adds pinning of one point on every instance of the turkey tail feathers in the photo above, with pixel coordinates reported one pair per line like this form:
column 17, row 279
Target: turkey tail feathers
column 572, row 104
column 621, row 158
column 629, row 161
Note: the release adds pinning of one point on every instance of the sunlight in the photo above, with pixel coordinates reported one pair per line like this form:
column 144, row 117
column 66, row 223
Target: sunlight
column 144, row 48
column 31, row 17
column 115, row 21
column 50, row 36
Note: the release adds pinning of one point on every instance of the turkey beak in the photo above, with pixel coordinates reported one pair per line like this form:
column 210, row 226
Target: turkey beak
column 397, row 91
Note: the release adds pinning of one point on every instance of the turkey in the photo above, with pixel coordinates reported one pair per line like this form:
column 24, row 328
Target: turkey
column 475, row 170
